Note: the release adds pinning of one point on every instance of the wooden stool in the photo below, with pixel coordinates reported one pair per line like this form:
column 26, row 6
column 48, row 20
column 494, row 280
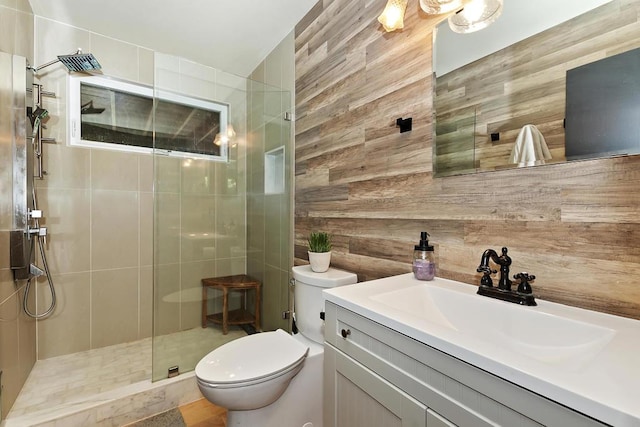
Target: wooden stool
column 241, row 316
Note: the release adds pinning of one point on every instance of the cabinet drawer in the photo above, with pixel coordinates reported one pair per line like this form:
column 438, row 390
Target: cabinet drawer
column 457, row 391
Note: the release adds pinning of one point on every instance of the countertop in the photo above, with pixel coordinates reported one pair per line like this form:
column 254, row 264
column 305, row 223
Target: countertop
column 601, row 381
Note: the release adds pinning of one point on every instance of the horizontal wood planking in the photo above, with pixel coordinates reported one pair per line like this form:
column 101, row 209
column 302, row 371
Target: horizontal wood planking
column 575, row 225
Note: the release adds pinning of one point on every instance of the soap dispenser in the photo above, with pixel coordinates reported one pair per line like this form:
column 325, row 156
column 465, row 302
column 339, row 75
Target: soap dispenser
column 424, row 266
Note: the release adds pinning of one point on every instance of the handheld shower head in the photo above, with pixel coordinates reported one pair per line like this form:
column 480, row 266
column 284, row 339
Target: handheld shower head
column 37, row 116
column 77, row 61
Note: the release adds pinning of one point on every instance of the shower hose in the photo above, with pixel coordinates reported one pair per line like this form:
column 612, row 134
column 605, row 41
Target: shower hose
column 39, row 241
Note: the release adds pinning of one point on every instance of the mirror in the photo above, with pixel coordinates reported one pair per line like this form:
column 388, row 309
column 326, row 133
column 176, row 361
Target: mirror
column 490, row 85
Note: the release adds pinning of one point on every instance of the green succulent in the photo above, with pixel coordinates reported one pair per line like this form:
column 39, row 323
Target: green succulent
column 319, row 242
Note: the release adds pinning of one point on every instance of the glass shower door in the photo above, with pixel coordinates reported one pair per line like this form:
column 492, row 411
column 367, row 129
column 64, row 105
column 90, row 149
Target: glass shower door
column 216, row 218
column 199, row 213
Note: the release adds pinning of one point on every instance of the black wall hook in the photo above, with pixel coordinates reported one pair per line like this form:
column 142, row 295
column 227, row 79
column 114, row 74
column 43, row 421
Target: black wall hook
column 404, row 124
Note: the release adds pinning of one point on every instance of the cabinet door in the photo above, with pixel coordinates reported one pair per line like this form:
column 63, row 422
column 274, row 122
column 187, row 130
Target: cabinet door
column 357, row 397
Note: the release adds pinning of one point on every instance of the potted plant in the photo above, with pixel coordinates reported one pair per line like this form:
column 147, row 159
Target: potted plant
column 319, row 251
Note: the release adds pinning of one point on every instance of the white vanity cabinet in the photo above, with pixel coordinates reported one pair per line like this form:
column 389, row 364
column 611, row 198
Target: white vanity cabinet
column 377, row 377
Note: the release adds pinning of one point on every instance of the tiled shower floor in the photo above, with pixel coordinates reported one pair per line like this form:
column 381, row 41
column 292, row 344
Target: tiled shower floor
column 63, row 380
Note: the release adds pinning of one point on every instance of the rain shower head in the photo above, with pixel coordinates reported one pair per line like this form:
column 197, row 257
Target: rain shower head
column 80, row 61
column 77, row 61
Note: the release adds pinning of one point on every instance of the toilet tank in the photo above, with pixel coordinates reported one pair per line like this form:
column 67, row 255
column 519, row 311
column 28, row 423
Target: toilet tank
column 308, row 298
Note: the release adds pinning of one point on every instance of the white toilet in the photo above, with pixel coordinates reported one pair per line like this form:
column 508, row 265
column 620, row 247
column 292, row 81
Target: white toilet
column 273, row 379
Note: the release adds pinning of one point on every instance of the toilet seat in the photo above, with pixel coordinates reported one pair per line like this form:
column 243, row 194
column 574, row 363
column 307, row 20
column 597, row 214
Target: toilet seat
column 251, row 360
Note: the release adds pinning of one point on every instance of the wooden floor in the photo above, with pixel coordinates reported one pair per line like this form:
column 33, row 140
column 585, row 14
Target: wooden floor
column 203, row 413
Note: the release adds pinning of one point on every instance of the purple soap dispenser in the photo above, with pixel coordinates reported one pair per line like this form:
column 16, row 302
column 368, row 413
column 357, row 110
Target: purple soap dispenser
column 424, row 266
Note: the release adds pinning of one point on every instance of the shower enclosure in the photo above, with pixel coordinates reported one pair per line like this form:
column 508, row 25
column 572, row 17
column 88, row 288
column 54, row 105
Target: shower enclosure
column 131, row 236
column 219, row 218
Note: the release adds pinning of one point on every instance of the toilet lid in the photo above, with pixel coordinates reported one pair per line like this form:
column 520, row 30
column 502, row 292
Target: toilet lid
column 251, row 357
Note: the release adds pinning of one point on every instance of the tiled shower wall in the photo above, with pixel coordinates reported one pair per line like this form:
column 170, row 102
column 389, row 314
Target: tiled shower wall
column 99, row 208
column 17, row 331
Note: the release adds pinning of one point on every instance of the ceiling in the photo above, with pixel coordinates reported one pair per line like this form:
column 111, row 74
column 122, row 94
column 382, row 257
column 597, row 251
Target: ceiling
column 231, row 35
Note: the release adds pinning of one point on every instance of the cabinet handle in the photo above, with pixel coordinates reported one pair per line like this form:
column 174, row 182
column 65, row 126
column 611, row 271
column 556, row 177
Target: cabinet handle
column 345, row 333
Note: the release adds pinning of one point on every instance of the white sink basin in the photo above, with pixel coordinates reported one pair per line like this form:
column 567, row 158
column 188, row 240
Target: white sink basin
column 532, row 333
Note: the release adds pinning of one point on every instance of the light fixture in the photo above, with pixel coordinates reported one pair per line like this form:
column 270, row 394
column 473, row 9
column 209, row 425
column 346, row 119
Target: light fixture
column 231, row 134
column 437, row 7
column 476, row 15
column 392, row 17
column 471, row 15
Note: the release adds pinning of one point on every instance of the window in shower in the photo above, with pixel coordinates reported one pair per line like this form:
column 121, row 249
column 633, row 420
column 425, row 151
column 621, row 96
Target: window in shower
column 113, row 114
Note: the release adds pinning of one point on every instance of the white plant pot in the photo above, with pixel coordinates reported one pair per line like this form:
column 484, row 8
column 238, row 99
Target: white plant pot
column 320, row 261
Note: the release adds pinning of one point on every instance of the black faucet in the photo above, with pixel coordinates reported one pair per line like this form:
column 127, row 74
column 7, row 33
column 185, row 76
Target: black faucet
column 523, row 295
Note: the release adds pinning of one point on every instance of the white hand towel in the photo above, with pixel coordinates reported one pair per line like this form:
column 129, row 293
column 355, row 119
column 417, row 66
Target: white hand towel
column 530, row 148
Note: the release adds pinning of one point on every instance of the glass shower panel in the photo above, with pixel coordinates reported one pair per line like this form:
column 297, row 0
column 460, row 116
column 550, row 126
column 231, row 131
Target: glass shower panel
column 199, row 218
column 269, row 200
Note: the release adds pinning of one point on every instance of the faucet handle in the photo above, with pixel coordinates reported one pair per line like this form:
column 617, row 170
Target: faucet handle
column 486, row 277
column 524, row 287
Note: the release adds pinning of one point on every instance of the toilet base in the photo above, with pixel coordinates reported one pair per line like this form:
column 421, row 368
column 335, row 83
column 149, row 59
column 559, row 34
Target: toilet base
column 299, row 406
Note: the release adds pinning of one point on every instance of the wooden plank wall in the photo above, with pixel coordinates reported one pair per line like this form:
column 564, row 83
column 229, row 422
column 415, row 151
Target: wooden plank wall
column 575, row 226
column 524, row 84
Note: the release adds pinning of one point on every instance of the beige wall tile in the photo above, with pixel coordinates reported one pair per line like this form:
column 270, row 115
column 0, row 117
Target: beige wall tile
column 145, row 322
column 166, row 244
column 67, row 167
column 24, row 6
column 197, row 227
column 271, row 299
column 24, row 31
column 256, row 223
column 273, row 67
column 118, row 59
column 287, row 46
column 67, row 218
column 166, row 316
column 8, row 25
column 226, row 179
column 9, row 349
column 273, row 230
column 5, row 261
column 167, row 173
column 228, row 80
column 230, row 226
column 146, row 66
column 145, row 172
column 114, row 306
column 146, row 229
column 167, row 80
column 68, row 329
column 167, row 62
column 114, row 229
column 274, row 135
column 114, row 170
column 198, row 176
column 26, row 339
column 190, row 283
column 231, row 266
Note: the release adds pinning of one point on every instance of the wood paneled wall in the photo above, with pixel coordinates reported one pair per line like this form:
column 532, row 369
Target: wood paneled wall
column 524, row 84
column 575, row 226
